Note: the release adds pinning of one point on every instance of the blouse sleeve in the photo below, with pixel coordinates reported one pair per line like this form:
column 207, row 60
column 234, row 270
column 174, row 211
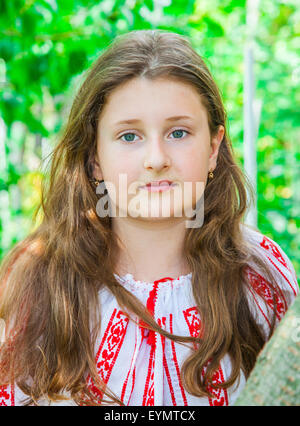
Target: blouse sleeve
column 266, row 299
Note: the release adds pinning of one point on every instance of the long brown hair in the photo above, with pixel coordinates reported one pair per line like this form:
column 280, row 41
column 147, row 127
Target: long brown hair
column 50, row 281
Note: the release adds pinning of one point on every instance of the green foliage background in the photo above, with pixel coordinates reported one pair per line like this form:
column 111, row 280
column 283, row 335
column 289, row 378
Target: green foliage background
column 45, row 46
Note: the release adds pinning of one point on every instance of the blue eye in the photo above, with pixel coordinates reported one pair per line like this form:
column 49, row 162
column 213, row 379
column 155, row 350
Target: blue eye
column 179, row 131
column 129, row 137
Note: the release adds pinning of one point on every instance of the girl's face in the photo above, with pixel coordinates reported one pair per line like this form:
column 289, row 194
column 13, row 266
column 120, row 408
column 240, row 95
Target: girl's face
column 150, row 131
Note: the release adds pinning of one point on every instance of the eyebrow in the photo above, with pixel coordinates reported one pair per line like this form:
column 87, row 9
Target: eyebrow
column 174, row 118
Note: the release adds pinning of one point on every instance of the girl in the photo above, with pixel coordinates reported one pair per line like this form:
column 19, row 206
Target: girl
column 131, row 308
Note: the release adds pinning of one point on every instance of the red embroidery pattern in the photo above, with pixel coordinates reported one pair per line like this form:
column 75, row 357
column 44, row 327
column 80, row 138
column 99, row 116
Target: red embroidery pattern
column 7, row 396
column 220, row 396
column 260, row 309
column 109, row 349
column 133, row 382
column 193, row 321
column 148, row 397
column 176, row 364
column 162, row 322
column 192, row 318
column 126, row 383
column 295, row 290
column 131, row 372
column 263, row 288
column 270, row 247
column 151, row 306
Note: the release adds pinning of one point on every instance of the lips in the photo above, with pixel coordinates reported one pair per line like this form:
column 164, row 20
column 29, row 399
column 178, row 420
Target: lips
column 159, row 183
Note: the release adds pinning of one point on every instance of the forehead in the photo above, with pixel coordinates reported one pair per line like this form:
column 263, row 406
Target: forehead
column 160, row 97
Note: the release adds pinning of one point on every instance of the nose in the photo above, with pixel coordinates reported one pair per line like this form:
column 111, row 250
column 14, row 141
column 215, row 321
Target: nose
column 156, row 157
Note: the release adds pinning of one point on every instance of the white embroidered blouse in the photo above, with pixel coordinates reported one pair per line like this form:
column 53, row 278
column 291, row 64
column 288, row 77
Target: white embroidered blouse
column 142, row 367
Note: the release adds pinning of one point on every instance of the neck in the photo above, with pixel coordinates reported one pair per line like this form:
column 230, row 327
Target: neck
column 150, row 250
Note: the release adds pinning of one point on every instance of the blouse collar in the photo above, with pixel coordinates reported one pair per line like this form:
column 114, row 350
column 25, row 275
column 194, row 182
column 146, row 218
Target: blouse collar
column 166, row 282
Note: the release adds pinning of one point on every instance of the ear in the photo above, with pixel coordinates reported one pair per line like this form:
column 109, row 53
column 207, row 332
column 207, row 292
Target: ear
column 214, row 148
column 97, row 172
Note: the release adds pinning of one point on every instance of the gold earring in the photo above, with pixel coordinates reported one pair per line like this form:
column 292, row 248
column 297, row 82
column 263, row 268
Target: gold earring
column 210, row 175
column 96, row 181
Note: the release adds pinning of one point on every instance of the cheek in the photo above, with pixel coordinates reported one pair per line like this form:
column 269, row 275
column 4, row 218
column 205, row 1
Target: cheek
column 194, row 167
column 119, row 169
column 193, row 171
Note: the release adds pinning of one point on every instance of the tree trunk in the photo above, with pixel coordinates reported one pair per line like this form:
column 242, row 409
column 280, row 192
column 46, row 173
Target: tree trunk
column 275, row 379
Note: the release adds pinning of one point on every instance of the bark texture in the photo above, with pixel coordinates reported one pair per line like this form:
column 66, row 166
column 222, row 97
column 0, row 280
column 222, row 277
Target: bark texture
column 275, row 379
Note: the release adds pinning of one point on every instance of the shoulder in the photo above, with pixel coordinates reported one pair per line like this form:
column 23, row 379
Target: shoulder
column 274, row 256
column 268, row 298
